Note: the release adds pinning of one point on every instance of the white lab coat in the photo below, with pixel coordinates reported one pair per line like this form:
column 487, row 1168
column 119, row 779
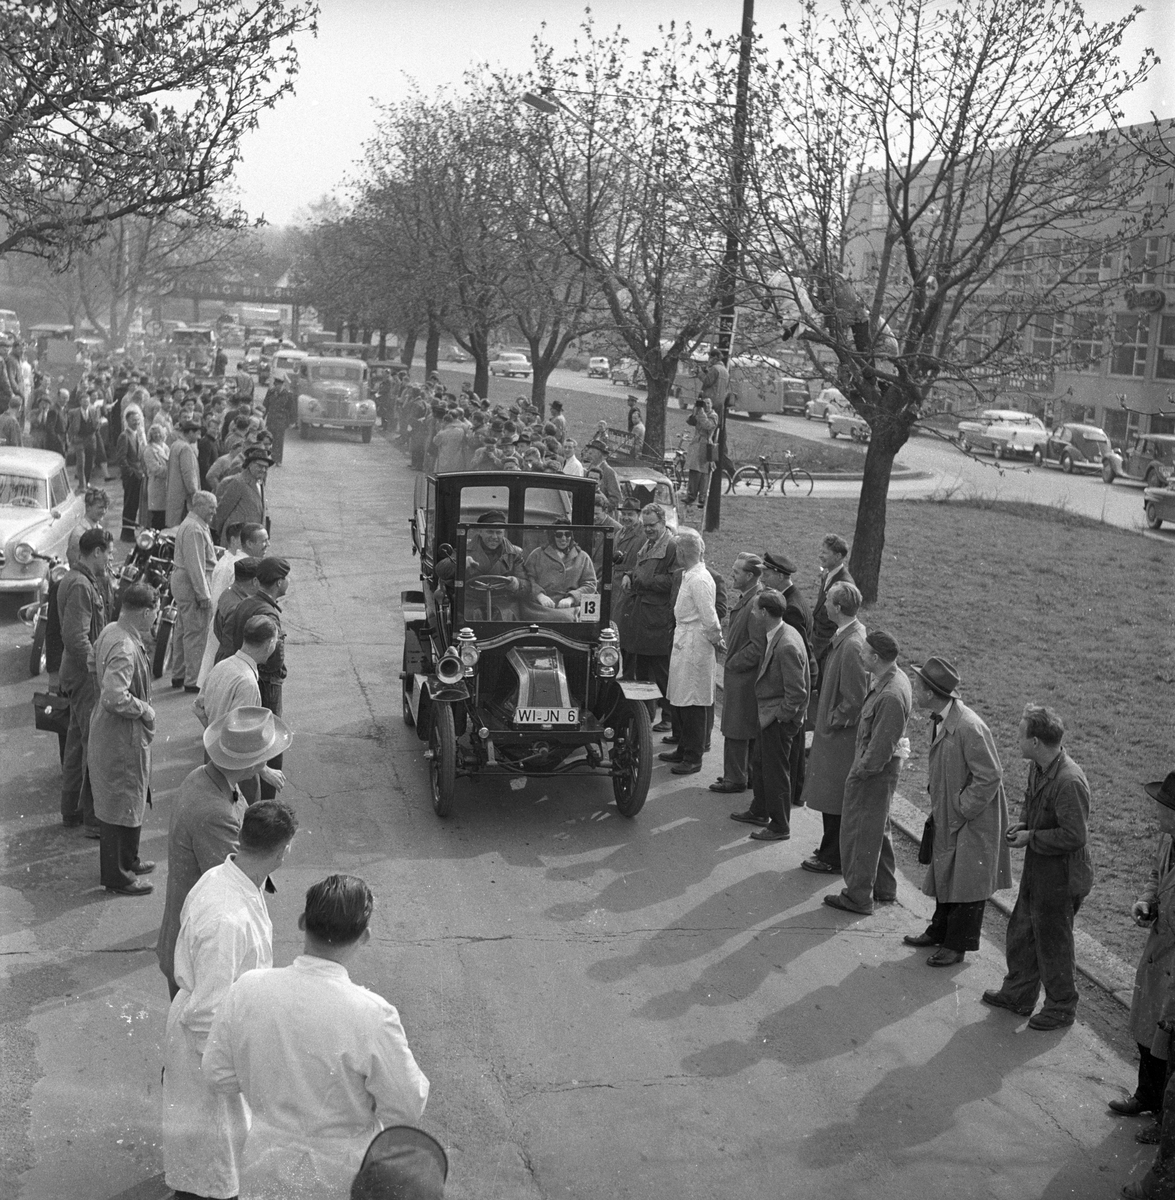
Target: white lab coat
column 223, row 575
column 692, row 660
column 323, row 1065
column 225, row 931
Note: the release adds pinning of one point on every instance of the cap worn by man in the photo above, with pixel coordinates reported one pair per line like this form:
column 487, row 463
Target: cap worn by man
column 270, row 570
column 779, row 562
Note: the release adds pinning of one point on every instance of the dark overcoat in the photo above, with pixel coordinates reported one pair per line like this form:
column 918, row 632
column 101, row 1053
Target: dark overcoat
column 746, row 643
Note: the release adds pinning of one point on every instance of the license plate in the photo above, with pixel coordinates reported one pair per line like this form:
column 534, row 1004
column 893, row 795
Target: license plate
column 546, row 716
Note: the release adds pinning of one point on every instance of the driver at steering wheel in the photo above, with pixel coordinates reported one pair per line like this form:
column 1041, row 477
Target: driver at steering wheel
column 497, row 562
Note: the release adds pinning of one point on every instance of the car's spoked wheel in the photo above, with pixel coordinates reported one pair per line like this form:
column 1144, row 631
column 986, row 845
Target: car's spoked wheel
column 442, row 763
column 632, row 757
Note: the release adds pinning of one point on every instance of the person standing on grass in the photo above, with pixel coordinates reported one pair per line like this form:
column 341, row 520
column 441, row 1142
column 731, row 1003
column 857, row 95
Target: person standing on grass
column 866, row 852
column 1057, row 876
column 844, row 683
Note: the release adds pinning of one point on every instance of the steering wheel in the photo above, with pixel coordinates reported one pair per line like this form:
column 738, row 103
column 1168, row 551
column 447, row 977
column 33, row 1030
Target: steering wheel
column 491, row 583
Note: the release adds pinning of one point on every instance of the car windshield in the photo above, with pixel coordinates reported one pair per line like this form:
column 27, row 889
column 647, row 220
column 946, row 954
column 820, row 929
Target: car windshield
column 537, row 574
column 23, row 491
column 337, row 371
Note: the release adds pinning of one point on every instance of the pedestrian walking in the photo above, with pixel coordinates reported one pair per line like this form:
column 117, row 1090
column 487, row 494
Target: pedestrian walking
column 746, row 645
column 969, row 815
column 1057, row 876
column 321, row 1062
column 191, row 576
column 279, row 406
column 225, row 930
column 843, row 685
column 866, row 851
column 119, row 742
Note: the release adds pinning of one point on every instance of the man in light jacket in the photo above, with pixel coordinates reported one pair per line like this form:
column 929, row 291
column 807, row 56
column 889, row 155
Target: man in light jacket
column 183, row 472
column 191, row 587
column 119, row 746
column 970, row 812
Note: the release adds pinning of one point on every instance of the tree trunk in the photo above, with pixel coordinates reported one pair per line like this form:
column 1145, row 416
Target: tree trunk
column 383, row 344
column 869, row 535
column 658, row 396
column 432, row 349
column 538, row 389
column 479, row 345
column 408, row 350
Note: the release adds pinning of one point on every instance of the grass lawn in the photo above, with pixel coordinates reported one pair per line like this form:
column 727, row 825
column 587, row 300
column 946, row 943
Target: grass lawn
column 1027, row 606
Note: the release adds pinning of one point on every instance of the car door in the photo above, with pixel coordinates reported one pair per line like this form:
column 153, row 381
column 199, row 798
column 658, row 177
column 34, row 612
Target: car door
column 71, row 508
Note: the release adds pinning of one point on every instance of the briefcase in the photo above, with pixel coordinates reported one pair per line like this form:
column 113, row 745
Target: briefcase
column 51, row 712
column 926, row 849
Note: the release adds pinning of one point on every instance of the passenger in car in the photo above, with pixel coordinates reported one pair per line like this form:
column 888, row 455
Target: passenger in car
column 559, row 574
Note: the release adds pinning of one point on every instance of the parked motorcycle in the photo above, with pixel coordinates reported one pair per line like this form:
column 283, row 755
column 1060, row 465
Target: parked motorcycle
column 36, row 614
column 150, row 562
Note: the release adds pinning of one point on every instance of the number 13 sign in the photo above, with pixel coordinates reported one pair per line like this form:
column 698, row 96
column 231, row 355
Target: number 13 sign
column 589, row 608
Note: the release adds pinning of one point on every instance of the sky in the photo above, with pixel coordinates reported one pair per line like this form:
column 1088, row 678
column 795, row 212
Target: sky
column 370, row 51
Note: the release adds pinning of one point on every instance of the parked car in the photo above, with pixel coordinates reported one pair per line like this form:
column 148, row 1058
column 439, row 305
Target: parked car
column 599, row 368
column 649, row 486
column 285, row 362
column 1077, row 447
column 511, row 363
column 38, row 512
column 497, row 683
column 331, row 393
column 1158, row 505
column 848, row 424
column 1147, row 456
column 456, row 354
column 829, row 398
column 1006, row 433
column 628, row 372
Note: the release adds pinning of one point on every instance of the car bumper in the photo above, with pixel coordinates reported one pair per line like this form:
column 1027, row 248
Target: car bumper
column 338, row 422
column 27, row 581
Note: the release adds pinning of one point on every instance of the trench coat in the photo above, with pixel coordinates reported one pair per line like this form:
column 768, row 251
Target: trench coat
column 155, row 458
column 695, row 454
column 1154, row 981
column 970, row 808
column 647, row 624
column 746, row 645
column 843, row 688
column 122, row 728
column 183, row 480
column 692, row 659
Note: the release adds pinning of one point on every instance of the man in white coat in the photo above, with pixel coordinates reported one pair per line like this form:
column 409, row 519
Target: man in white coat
column 697, row 639
column 322, row 1062
column 221, row 580
column 225, row 931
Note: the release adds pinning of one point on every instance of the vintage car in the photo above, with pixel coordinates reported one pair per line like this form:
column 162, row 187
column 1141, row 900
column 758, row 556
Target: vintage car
column 504, row 672
column 38, row 512
column 1004, row 432
column 599, row 368
column 332, row 394
column 847, row 423
column 628, row 372
column 1147, row 456
column 285, row 362
column 649, row 486
column 511, row 363
column 829, row 400
column 1158, row 505
column 1076, row 447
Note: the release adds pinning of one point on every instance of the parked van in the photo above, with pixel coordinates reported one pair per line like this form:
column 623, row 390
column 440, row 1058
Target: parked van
column 758, row 385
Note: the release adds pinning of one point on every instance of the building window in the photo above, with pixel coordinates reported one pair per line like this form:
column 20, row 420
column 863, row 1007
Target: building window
column 1145, row 258
column 1085, row 346
column 1131, row 336
column 879, row 213
column 1048, row 334
column 1165, row 363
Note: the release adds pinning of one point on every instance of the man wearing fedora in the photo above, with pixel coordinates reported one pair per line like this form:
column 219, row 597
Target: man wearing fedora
column 183, row 472
column 191, row 586
column 970, row 813
column 1057, row 876
column 1152, row 1007
column 225, row 931
column 595, row 457
column 206, row 817
column 243, row 496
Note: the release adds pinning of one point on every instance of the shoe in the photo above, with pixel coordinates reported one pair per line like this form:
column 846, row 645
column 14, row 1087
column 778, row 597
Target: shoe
column 669, row 740
column 729, row 789
column 1050, row 1020
column 837, row 900
column 767, row 834
column 818, row 866
column 674, row 756
column 143, row 867
column 1134, row 1191
column 133, row 889
column 1151, row 1135
column 92, row 831
column 920, row 939
column 749, row 818
column 999, row 1000
column 662, row 727
column 685, row 768
column 177, row 683
column 191, row 687
column 945, row 958
column 1132, row 1106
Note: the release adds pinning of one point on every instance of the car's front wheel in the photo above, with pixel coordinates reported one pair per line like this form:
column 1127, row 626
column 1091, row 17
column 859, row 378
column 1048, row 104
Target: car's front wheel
column 1152, row 515
column 1067, row 463
column 1108, row 472
column 365, row 434
column 1037, row 457
column 632, row 757
column 998, row 450
column 304, row 430
column 442, row 762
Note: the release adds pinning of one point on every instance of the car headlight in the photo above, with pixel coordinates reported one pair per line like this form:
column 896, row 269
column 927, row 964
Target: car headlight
column 145, row 540
column 467, row 650
column 23, row 554
column 607, row 656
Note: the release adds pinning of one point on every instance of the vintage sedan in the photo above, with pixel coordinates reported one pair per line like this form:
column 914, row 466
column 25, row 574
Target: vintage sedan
column 512, row 665
column 647, row 485
column 511, row 363
column 846, row 423
column 1147, row 456
column 830, row 399
column 332, row 394
column 1158, row 505
column 599, row 367
column 38, row 512
column 1076, row 447
column 1004, row 433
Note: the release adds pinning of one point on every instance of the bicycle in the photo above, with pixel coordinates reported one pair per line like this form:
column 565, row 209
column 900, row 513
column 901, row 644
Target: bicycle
column 792, row 480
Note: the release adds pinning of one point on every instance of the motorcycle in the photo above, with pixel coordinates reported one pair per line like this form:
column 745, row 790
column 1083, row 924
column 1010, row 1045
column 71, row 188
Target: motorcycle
column 36, row 614
column 150, row 562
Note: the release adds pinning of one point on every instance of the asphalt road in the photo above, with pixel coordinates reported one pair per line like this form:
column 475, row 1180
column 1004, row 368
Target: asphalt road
column 657, row 1008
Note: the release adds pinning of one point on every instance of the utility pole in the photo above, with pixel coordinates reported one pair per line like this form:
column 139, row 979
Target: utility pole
column 732, row 258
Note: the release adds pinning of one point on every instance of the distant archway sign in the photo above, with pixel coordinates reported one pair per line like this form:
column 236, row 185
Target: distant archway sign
column 232, row 290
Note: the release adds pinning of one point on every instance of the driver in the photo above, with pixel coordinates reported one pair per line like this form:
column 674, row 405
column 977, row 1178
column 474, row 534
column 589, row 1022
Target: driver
column 560, row 573
column 489, row 553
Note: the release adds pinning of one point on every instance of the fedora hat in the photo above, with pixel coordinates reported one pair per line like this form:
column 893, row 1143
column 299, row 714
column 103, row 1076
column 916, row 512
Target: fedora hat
column 1163, row 791
column 246, row 737
column 940, row 676
column 258, row 454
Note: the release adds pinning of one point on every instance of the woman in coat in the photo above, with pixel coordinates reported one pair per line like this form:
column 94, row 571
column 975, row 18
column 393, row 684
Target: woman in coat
column 155, row 459
column 119, row 746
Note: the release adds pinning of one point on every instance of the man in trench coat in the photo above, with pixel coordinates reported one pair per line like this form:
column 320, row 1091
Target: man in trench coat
column 746, row 642
column 119, row 750
column 970, row 811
